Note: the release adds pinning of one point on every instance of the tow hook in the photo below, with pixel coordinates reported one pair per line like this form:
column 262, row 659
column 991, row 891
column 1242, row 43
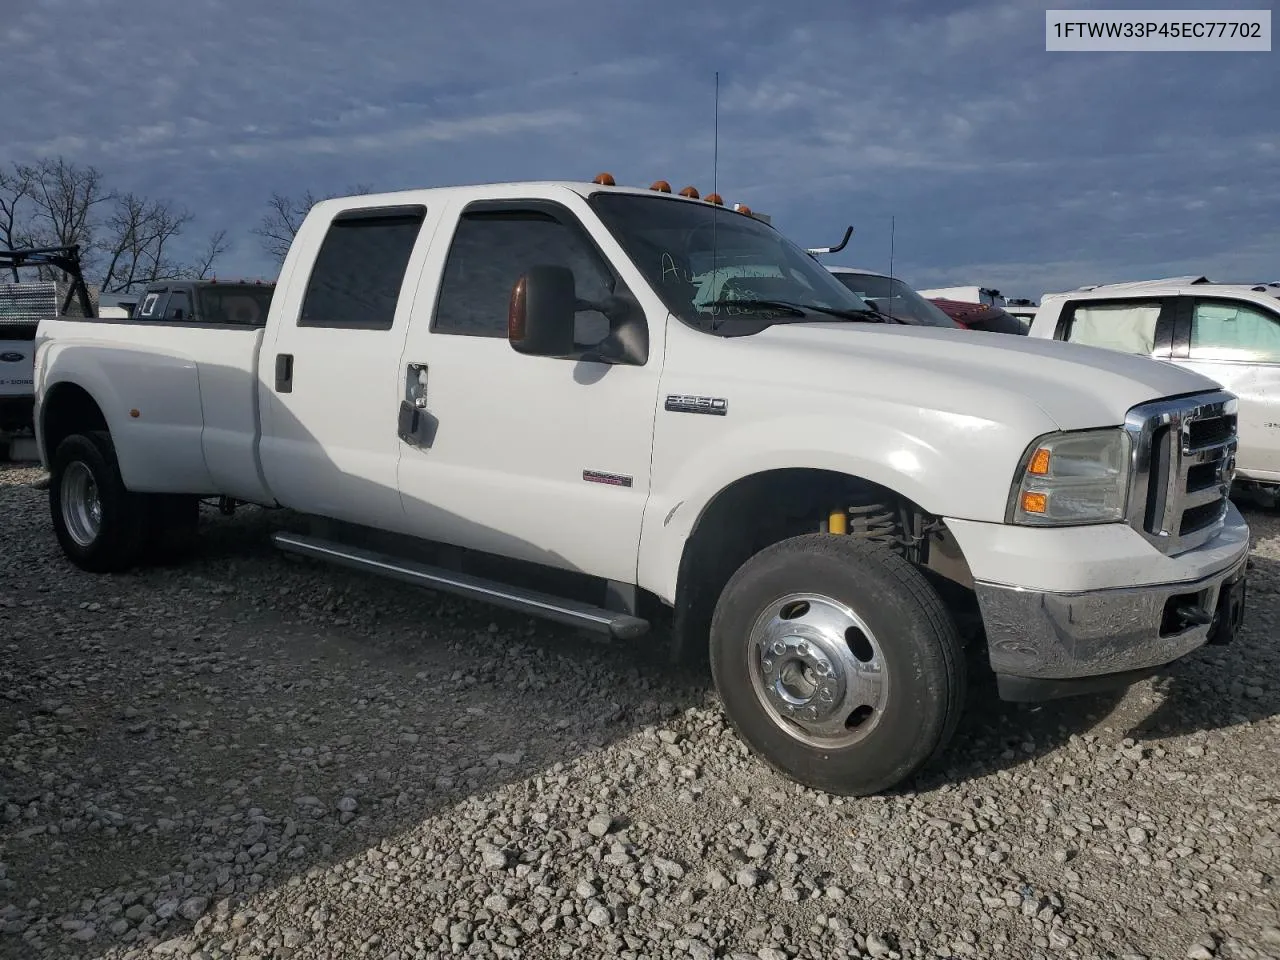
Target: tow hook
column 226, row 506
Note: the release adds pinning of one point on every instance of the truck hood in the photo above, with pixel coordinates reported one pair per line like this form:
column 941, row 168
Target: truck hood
column 1076, row 386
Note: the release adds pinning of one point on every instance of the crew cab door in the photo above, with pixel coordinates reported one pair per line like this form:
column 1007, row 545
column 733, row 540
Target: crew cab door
column 536, row 458
column 329, row 379
column 1237, row 343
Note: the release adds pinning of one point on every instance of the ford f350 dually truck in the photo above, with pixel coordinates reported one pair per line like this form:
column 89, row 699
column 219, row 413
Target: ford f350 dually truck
column 539, row 394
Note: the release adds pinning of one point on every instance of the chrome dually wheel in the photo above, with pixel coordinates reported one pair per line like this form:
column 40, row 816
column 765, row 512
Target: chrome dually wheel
column 81, row 505
column 837, row 663
column 818, row 670
column 99, row 523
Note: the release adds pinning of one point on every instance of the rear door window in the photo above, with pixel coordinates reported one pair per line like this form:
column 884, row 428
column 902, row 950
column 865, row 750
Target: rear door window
column 356, row 280
column 1127, row 326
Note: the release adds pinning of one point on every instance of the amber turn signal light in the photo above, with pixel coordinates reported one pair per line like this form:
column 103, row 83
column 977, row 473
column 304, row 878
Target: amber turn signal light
column 1035, row 502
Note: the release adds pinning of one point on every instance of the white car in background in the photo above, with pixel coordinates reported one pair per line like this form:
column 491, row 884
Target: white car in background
column 1227, row 332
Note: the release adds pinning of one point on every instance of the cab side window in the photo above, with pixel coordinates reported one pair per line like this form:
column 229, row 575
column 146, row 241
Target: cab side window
column 357, row 276
column 1126, row 326
column 150, row 307
column 178, row 307
column 1223, row 330
column 490, row 251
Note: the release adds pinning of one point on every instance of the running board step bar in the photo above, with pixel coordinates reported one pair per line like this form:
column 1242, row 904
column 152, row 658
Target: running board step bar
column 621, row 626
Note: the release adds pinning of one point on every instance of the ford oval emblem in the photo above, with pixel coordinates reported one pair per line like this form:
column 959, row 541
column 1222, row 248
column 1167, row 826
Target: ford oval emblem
column 12, row 357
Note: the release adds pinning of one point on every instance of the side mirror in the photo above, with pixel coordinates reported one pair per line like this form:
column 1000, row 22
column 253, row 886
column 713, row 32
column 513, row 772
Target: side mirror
column 540, row 319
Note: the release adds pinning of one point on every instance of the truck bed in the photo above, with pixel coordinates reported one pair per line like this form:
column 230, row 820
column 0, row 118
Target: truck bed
column 184, row 404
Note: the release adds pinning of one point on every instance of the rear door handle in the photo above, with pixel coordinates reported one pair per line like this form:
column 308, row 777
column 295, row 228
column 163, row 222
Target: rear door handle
column 284, row 373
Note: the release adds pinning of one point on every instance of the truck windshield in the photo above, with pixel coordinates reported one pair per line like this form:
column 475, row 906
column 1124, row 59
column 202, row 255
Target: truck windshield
column 699, row 255
column 896, row 299
column 246, row 305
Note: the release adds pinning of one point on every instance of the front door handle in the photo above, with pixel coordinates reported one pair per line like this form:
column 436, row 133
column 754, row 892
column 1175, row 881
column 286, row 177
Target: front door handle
column 284, row 373
column 416, row 426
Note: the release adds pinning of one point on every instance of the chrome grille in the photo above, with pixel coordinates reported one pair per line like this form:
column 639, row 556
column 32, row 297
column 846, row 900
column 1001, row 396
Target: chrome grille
column 1183, row 462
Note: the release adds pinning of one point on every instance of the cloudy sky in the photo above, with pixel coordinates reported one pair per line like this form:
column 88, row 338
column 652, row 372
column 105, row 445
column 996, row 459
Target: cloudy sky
column 1002, row 164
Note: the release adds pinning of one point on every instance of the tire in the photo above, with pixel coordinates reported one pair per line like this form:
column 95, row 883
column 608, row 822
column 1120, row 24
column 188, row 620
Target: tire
column 837, row 663
column 172, row 521
column 99, row 524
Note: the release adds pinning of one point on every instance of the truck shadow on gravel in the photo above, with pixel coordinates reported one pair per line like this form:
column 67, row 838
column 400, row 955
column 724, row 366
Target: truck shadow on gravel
column 1212, row 689
column 173, row 736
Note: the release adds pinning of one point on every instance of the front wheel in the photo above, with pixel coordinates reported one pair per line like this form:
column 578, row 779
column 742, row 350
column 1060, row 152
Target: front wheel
column 837, row 663
column 99, row 524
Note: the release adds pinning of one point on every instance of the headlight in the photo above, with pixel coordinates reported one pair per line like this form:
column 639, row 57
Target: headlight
column 1069, row 478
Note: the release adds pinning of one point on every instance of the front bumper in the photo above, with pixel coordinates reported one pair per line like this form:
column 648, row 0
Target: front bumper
column 1045, row 645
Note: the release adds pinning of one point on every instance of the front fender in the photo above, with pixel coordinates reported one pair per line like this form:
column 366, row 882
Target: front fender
column 951, row 465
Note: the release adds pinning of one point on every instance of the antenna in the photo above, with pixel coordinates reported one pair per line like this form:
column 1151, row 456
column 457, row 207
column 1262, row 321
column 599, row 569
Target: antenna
column 892, row 224
column 715, row 183
column 715, row 149
column 715, row 178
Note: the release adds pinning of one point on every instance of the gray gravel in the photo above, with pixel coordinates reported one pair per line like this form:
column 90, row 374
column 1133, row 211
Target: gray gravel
column 253, row 757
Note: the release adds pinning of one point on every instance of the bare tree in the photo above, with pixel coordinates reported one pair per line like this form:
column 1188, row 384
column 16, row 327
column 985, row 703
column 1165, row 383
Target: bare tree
column 279, row 225
column 125, row 240
column 135, row 236
column 67, row 198
column 15, row 193
column 138, row 240
column 216, row 247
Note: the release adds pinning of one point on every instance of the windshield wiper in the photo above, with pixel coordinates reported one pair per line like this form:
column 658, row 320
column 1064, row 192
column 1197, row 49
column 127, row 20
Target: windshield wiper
column 788, row 308
column 799, row 310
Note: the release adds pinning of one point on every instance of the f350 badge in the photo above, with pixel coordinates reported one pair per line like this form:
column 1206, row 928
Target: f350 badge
column 684, row 403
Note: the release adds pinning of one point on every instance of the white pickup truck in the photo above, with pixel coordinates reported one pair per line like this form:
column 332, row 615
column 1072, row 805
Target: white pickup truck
column 521, row 392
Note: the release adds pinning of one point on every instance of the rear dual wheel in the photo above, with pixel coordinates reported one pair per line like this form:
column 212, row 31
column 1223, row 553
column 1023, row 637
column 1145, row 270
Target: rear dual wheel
column 837, row 663
column 101, row 526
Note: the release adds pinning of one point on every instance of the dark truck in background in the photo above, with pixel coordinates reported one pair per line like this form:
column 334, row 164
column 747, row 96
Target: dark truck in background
column 239, row 304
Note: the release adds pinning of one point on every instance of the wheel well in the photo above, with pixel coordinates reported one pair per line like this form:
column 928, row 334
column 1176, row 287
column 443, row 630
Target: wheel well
column 68, row 409
column 764, row 508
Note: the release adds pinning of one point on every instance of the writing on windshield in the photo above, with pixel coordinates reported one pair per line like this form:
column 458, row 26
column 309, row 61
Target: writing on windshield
column 700, row 257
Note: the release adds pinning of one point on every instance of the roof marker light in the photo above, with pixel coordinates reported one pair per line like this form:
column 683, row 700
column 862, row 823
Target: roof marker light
column 605, row 180
column 661, row 186
column 715, row 198
column 690, row 192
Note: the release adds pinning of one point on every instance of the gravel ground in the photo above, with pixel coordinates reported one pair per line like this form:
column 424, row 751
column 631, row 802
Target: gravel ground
column 253, row 757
